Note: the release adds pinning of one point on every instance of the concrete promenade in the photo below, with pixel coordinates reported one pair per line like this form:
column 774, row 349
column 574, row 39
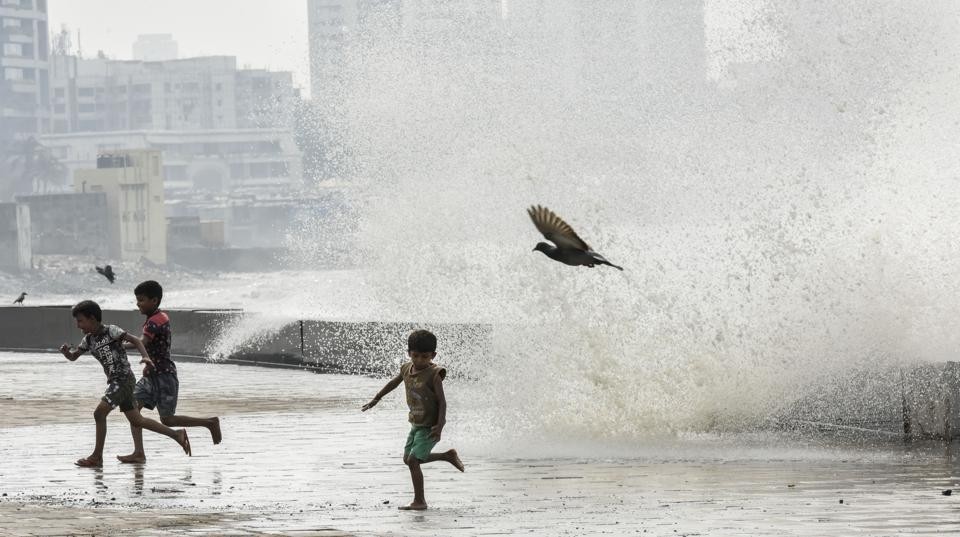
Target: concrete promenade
column 298, row 458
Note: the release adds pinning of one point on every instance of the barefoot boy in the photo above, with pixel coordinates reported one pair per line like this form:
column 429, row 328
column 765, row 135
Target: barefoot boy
column 158, row 387
column 423, row 381
column 105, row 343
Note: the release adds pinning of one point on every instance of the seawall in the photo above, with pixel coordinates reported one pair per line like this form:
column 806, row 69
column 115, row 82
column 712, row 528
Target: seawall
column 340, row 346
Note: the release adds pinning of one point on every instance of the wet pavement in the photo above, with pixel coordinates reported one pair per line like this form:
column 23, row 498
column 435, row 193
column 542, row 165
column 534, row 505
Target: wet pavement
column 298, row 458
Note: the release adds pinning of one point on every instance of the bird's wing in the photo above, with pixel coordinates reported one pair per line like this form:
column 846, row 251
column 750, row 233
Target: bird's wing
column 555, row 229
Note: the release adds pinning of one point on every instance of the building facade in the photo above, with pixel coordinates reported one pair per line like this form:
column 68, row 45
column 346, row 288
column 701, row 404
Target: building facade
column 204, row 93
column 133, row 184
column 24, row 75
column 205, row 160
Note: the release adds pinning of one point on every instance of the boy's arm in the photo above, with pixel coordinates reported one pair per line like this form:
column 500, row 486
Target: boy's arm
column 68, row 353
column 394, row 382
column 441, row 408
column 135, row 341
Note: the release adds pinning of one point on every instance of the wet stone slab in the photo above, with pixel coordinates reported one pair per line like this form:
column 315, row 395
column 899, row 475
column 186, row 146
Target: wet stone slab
column 298, row 458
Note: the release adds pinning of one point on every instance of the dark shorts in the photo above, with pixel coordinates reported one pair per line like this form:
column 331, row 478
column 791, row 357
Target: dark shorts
column 158, row 391
column 120, row 394
column 419, row 443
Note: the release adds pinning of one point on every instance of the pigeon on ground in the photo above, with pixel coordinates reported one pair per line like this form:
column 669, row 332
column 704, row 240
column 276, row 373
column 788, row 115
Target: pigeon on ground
column 107, row 272
column 20, row 298
column 570, row 249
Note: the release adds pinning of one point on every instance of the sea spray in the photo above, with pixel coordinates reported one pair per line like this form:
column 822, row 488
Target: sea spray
column 785, row 211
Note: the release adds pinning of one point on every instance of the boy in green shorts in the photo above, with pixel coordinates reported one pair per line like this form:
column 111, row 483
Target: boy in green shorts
column 423, row 381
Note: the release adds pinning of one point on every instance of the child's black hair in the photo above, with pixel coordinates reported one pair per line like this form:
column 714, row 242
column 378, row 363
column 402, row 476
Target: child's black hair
column 422, row 341
column 88, row 308
column 150, row 289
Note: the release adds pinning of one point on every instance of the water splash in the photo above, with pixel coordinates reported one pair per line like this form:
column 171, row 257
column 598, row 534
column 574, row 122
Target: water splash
column 785, row 210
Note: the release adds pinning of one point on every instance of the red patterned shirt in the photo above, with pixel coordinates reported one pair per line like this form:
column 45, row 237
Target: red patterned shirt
column 157, row 338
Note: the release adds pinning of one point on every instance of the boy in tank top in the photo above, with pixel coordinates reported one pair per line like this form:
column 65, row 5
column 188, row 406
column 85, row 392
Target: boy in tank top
column 423, row 381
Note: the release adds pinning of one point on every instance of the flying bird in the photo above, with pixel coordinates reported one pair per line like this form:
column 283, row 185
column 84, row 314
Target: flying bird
column 20, row 298
column 107, row 272
column 570, row 248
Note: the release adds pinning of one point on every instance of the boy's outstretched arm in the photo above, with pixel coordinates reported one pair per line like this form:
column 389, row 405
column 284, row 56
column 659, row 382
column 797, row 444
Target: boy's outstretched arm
column 68, row 353
column 394, row 382
column 144, row 357
column 441, row 408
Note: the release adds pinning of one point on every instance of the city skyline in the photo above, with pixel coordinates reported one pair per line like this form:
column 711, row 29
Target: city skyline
column 275, row 39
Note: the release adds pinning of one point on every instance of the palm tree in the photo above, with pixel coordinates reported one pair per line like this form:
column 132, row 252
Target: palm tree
column 27, row 167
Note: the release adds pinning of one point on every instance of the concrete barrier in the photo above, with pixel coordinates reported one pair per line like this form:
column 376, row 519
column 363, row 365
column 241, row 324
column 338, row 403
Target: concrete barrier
column 918, row 401
column 349, row 347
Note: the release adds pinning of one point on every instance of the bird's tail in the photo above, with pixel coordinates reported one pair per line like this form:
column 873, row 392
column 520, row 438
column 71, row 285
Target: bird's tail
column 605, row 262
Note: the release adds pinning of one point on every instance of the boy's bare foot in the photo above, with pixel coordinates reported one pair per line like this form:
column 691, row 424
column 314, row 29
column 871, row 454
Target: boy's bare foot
column 215, row 431
column 132, row 458
column 413, row 507
column 88, row 462
column 184, row 441
column 454, row 459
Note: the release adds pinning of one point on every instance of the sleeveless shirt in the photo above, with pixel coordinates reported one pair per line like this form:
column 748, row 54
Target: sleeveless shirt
column 421, row 398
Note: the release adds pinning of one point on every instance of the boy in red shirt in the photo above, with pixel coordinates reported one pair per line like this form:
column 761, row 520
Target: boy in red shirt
column 159, row 387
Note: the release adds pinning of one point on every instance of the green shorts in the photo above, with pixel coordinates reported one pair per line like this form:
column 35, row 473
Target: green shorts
column 419, row 443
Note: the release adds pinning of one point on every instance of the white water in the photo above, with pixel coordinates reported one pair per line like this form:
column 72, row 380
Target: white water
column 781, row 221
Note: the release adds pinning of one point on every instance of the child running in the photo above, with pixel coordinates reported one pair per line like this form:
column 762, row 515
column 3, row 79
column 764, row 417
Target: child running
column 105, row 343
column 159, row 387
column 423, row 381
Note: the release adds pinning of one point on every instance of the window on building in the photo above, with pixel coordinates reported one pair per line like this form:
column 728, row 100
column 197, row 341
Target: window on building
column 59, row 109
column 85, row 92
column 12, row 73
column 8, row 3
column 12, row 23
column 279, row 169
column 86, row 108
column 12, row 49
column 58, row 92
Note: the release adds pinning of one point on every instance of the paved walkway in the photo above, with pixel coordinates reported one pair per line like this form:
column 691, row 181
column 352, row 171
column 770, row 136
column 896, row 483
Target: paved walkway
column 298, row 458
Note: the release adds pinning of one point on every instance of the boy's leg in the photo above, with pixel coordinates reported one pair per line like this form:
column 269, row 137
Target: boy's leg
column 449, row 455
column 168, row 390
column 138, row 455
column 145, row 394
column 416, row 475
column 179, row 435
column 100, row 416
column 212, row 424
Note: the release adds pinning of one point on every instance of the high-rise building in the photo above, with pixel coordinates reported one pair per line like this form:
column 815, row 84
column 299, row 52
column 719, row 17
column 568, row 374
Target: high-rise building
column 329, row 26
column 24, row 79
column 155, row 47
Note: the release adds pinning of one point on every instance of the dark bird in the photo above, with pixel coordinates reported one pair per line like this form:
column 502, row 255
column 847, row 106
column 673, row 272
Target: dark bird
column 107, row 272
column 20, row 298
column 570, row 249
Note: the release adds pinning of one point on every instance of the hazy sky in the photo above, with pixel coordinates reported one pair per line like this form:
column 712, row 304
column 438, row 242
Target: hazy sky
column 270, row 34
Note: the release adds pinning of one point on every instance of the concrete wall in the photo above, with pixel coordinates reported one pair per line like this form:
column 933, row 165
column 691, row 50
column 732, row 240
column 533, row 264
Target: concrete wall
column 68, row 224
column 15, row 237
column 324, row 345
column 916, row 401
